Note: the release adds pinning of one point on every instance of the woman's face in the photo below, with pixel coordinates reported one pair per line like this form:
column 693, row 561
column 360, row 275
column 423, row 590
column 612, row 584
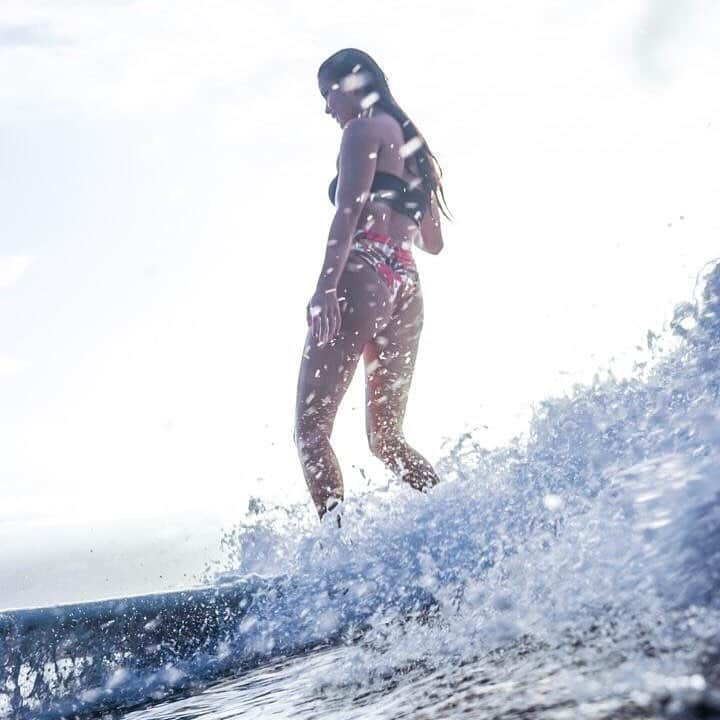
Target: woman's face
column 341, row 104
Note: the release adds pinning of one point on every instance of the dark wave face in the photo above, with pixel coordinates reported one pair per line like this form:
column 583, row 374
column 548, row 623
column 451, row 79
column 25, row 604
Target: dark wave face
column 576, row 569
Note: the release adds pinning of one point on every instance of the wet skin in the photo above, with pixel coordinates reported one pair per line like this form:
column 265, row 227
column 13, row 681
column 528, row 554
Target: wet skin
column 386, row 335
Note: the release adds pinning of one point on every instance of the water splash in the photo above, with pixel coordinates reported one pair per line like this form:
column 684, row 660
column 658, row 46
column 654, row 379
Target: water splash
column 586, row 554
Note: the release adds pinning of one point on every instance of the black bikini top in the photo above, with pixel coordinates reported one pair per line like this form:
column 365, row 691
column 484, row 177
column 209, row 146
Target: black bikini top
column 395, row 192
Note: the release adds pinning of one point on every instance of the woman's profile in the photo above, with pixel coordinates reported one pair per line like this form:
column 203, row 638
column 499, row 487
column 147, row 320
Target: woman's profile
column 368, row 299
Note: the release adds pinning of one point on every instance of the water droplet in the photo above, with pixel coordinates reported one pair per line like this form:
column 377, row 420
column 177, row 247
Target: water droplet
column 553, row 502
column 369, row 100
column 411, row 146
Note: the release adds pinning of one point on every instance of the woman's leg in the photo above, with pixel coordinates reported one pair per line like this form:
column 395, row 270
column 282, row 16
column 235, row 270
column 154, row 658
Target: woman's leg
column 389, row 364
column 325, row 374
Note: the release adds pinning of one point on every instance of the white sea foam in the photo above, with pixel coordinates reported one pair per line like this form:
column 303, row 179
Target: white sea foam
column 600, row 529
column 576, row 568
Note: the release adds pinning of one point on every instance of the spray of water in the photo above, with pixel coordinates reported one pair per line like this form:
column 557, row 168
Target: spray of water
column 597, row 534
column 580, row 564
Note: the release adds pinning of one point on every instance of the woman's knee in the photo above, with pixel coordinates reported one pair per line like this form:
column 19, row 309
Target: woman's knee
column 308, row 435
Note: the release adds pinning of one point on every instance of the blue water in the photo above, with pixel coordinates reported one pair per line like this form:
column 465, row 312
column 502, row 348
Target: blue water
column 573, row 573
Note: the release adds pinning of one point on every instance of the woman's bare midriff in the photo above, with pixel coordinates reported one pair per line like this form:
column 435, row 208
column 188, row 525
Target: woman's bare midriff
column 383, row 219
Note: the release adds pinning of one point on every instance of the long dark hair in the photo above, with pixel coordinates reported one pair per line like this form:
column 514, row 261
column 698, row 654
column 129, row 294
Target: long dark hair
column 366, row 73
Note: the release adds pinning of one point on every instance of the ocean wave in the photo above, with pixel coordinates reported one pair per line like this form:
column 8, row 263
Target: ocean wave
column 597, row 534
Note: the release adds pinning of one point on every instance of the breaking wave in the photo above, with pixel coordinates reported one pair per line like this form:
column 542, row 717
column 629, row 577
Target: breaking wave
column 593, row 541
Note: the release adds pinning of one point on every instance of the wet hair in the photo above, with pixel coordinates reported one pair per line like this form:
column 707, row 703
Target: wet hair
column 354, row 69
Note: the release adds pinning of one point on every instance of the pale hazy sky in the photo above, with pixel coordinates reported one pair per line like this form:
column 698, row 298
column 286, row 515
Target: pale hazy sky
column 164, row 213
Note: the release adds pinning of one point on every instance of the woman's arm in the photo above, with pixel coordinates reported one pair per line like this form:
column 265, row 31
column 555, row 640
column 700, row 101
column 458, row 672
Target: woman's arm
column 358, row 158
column 429, row 238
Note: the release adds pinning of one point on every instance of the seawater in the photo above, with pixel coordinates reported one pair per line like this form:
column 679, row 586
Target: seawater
column 573, row 573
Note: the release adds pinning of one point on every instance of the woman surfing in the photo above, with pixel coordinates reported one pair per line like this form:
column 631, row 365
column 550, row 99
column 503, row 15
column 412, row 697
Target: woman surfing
column 368, row 299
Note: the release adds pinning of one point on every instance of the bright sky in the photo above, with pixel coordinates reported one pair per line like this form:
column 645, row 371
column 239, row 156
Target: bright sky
column 164, row 213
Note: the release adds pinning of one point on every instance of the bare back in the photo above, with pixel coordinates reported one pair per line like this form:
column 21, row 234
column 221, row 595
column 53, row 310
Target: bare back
column 380, row 216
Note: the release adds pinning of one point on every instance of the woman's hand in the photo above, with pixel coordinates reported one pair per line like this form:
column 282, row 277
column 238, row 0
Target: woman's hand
column 323, row 315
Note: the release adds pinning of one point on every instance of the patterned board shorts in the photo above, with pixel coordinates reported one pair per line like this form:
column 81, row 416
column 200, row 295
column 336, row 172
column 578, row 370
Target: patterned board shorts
column 393, row 263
